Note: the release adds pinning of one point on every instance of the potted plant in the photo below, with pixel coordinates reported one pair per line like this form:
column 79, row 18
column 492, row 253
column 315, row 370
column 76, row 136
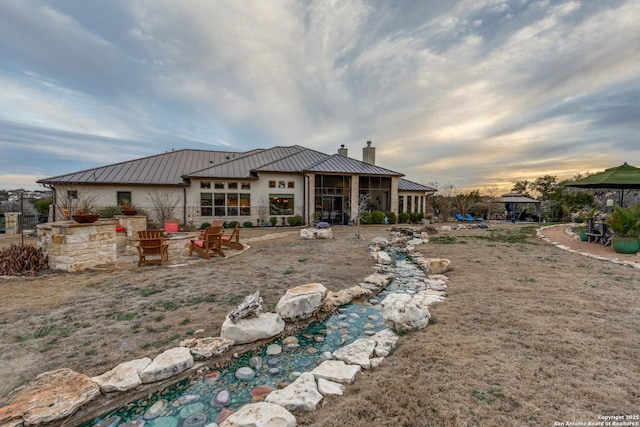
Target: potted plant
column 625, row 223
column 128, row 208
column 85, row 212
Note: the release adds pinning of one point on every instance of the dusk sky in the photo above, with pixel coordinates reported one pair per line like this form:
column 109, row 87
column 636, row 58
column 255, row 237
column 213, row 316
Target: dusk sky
column 476, row 94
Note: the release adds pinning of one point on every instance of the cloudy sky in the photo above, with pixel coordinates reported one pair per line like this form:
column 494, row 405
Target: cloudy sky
column 472, row 93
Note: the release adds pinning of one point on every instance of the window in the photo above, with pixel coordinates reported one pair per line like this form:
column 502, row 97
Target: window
column 72, row 194
column 272, row 184
column 123, row 198
column 232, row 186
column 290, row 184
column 218, row 185
column 205, row 204
column 205, row 185
column 280, row 184
column 280, row 204
column 226, row 204
column 245, row 186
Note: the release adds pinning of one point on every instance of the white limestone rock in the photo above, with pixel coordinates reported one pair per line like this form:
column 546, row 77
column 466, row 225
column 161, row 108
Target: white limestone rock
column 401, row 313
column 301, row 302
column 123, row 377
column 336, row 370
column 206, row 348
column 381, row 257
column 167, row 364
column 379, row 280
column 327, row 387
column 261, row 414
column 300, row 395
column 324, row 233
column 424, row 236
column 426, row 297
column 438, row 265
column 386, row 341
column 358, row 352
column 307, row 234
column 252, row 329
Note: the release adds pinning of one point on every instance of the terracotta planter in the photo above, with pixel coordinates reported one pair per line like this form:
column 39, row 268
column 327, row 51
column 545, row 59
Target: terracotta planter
column 85, row 218
column 129, row 212
column 625, row 245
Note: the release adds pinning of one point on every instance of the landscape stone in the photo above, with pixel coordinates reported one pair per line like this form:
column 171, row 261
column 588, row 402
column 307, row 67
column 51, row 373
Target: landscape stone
column 336, row 370
column 245, row 373
column 261, row 414
column 300, row 395
column 252, row 329
column 386, row 341
column 223, row 398
column 156, row 409
column 301, row 302
column 53, row 395
column 123, row 377
column 167, row 364
column 327, row 387
column 401, row 313
column 274, row 350
column 357, row 353
column 206, row 348
column 324, row 233
column 438, row 265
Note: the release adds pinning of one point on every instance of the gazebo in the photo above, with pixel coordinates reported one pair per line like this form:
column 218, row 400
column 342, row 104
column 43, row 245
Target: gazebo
column 512, row 200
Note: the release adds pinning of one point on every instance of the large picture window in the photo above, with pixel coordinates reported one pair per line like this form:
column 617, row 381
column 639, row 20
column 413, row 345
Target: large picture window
column 280, row 204
column 225, row 204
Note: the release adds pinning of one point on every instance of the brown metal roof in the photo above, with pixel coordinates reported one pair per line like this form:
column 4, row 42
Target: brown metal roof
column 341, row 164
column 406, row 185
column 161, row 169
column 175, row 167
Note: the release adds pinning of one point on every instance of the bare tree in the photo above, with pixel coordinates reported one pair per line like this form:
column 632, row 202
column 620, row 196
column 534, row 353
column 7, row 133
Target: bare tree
column 262, row 209
column 74, row 199
column 363, row 203
column 164, row 204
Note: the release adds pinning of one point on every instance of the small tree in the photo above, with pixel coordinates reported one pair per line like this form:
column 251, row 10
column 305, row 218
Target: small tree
column 164, row 204
column 262, row 209
column 363, row 203
column 74, row 199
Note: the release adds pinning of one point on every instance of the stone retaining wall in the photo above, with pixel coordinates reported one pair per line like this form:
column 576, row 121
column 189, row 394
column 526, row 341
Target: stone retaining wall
column 74, row 247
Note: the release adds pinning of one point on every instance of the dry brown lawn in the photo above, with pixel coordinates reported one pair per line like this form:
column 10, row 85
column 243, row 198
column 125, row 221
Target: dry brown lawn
column 529, row 334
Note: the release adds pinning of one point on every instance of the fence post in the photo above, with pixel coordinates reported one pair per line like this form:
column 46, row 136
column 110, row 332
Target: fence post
column 12, row 222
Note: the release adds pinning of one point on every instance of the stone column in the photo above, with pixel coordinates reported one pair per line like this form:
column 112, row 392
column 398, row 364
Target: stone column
column 394, row 194
column 12, row 222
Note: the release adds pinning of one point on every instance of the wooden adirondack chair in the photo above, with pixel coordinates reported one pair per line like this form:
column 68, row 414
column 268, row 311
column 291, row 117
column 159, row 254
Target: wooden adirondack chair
column 151, row 244
column 233, row 240
column 209, row 244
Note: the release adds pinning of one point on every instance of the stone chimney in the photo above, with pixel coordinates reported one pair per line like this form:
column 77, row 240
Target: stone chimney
column 342, row 151
column 369, row 154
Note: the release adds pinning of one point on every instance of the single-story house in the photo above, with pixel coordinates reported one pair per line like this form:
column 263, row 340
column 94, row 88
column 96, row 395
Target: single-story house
column 199, row 186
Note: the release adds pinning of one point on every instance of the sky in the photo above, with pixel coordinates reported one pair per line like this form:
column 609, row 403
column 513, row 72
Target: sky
column 474, row 94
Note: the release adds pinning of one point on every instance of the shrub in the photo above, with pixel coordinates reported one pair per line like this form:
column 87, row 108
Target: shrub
column 377, row 217
column 366, row 218
column 403, row 217
column 295, row 220
column 230, row 224
column 273, row 221
column 415, row 217
column 247, row 224
column 204, row 225
column 109, row 211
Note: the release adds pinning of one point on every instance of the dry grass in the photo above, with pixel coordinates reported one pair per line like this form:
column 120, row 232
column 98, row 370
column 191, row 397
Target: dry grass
column 529, row 334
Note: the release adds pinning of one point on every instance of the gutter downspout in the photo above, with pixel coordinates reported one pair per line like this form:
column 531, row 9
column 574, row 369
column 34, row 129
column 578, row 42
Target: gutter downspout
column 305, row 196
column 184, row 205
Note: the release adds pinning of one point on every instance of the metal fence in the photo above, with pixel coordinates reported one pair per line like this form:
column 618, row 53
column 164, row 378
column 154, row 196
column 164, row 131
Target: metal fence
column 29, row 222
column 2, row 226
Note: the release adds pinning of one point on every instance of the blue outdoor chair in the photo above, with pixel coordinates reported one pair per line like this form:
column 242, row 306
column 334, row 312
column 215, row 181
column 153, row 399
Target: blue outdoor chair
column 462, row 219
column 471, row 218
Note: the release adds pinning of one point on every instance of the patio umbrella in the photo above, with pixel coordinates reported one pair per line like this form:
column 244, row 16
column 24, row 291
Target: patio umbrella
column 620, row 177
column 514, row 199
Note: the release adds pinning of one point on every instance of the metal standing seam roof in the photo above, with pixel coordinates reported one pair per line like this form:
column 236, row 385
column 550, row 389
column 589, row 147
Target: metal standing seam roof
column 336, row 163
column 406, row 185
column 173, row 167
column 242, row 167
column 160, row 169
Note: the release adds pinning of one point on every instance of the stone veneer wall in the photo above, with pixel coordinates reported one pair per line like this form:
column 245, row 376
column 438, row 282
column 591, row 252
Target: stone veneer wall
column 75, row 247
column 12, row 222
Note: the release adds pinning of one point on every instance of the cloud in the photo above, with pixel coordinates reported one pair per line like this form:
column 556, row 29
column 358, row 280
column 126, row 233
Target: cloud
column 506, row 88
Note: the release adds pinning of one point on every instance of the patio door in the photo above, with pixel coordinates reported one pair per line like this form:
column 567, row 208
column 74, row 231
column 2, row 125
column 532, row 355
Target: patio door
column 332, row 209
